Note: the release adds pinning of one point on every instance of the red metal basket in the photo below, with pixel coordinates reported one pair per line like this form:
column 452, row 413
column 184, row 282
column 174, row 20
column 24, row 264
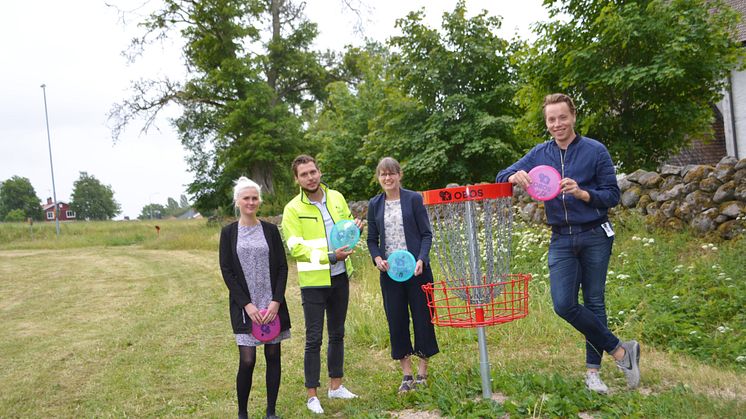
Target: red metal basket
column 449, row 308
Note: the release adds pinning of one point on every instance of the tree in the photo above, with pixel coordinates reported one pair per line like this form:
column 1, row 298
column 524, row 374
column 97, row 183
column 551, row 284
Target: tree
column 464, row 85
column 15, row 215
column 153, row 212
column 342, row 128
column 441, row 102
column 184, row 202
column 244, row 95
column 644, row 73
column 92, row 200
column 17, row 193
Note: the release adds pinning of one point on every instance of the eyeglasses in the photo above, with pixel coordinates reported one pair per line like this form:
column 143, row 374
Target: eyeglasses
column 385, row 175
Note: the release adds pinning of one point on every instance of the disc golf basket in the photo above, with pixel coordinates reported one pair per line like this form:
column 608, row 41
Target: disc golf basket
column 472, row 232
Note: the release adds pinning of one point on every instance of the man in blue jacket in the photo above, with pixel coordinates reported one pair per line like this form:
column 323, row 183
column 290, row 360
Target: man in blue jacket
column 582, row 235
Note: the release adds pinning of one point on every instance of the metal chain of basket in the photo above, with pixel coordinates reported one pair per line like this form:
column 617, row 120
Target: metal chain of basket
column 472, row 241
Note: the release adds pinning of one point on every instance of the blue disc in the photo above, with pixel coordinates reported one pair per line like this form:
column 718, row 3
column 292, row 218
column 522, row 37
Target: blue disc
column 344, row 233
column 401, row 265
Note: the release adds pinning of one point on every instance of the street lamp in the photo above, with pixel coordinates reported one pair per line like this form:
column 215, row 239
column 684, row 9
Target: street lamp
column 51, row 165
column 150, row 199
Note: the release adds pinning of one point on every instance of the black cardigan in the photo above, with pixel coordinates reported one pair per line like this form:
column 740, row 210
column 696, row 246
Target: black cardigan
column 233, row 276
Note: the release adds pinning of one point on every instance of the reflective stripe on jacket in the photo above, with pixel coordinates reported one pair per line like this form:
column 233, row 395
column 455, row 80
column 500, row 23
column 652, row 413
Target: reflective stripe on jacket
column 305, row 235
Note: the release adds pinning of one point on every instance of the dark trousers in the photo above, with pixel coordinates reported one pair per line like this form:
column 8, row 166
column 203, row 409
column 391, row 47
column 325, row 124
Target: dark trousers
column 400, row 299
column 317, row 301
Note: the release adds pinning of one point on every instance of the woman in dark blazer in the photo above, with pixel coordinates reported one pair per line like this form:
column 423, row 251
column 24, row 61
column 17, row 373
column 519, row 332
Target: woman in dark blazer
column 254, row 268
column 397, row 220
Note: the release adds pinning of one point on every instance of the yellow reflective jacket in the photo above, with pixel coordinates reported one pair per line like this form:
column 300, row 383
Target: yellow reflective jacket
column 305, row 235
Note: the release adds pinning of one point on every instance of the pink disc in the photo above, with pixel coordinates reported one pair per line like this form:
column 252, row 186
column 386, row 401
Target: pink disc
column 545, row 183
column 266, row 332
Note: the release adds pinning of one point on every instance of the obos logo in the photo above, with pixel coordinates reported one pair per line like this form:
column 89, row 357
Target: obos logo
column 447, row 196
column 469, row 194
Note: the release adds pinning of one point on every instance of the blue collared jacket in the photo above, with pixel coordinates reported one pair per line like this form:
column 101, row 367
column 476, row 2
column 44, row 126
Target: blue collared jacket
column 588, row 162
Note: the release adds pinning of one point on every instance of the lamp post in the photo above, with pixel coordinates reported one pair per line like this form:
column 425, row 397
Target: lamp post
column 150, row 199
column 51, row 165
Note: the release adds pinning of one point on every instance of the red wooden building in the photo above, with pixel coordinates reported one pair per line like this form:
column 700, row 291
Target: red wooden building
column 65, row 213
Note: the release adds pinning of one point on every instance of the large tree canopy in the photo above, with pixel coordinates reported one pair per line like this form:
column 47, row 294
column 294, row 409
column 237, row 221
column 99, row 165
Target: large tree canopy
column 92, row 200
column 17, row 194
column 462, row 80
column 251, row 75
column 440, row 101
column 644, row 73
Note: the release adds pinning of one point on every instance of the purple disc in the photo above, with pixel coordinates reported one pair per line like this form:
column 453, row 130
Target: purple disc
column 266, row 332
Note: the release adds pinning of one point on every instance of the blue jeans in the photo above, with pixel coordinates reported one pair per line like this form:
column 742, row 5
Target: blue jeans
column 580, row 261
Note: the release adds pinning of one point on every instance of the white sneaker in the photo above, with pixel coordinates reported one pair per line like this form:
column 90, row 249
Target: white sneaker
column 594, row 383
column 313, row 404
column 341, row 393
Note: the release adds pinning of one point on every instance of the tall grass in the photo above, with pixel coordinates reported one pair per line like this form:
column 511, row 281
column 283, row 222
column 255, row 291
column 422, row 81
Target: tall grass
column 170, row 234
column 95, row 327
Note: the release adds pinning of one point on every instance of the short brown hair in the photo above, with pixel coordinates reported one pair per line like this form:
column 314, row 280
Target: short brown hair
column 388, row 164
column 302, row 159
column 557, row 98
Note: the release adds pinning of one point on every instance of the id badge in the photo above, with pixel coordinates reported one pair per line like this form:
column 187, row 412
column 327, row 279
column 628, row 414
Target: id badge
column 607, row 228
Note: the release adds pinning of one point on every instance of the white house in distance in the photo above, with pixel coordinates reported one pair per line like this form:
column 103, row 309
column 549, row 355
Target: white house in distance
column 733, row 105
column 729, row 125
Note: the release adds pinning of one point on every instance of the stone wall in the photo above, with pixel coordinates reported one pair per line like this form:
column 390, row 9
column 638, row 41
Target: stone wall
column 705, row 198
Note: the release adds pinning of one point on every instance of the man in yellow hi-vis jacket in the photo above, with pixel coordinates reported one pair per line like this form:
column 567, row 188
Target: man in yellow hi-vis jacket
column 323, row 274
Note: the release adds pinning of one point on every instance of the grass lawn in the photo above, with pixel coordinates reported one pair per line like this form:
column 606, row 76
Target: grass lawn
column 117, row 322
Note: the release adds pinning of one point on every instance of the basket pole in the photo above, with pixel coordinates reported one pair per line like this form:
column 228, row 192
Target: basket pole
column 484, row 363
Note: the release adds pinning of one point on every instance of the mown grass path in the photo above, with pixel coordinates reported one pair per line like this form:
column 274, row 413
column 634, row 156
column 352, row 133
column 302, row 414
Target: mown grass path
column 132, row 332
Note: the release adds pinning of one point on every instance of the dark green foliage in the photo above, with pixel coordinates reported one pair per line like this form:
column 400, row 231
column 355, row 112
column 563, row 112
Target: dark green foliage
column 17, row 193
column 461, row 127
column 15, row 215
column 644, row 73
column 92, row 200
column 440, row 102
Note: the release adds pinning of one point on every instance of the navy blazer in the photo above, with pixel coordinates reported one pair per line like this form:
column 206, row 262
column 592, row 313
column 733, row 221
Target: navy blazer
column 238, row 291
column 417, row 231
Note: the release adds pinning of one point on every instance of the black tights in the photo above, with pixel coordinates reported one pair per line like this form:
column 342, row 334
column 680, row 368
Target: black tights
column 247, row 360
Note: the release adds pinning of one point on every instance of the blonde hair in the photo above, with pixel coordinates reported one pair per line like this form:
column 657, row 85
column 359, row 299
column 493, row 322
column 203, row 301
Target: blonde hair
column 244, row 183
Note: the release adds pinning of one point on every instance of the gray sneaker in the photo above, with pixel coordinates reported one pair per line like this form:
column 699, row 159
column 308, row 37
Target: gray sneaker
column 630, row 364
column 594, row 383
column 407, row 384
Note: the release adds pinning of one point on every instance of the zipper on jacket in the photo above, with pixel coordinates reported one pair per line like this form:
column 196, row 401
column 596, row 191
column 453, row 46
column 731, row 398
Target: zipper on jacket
column 562, row 163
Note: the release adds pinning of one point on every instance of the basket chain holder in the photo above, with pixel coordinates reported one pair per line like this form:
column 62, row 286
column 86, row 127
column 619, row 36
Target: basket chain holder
column 472, row 233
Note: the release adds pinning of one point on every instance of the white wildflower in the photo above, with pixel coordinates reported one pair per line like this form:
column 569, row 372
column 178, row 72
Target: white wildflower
column 675, row 297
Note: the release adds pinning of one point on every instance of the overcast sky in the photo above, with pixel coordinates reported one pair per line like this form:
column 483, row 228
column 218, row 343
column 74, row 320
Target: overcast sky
column 75, row 49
